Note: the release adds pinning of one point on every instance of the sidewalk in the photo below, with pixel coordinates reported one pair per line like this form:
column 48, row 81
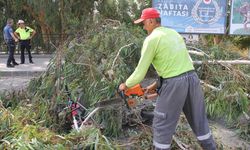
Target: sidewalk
column 24, row 70
column 18, row 78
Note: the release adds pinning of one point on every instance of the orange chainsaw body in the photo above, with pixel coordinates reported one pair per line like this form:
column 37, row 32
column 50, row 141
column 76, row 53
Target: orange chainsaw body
column 134, row 91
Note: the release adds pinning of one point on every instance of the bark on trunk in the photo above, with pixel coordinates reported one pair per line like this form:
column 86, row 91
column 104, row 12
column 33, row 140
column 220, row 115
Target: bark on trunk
column 39, row 16
column 217, row 39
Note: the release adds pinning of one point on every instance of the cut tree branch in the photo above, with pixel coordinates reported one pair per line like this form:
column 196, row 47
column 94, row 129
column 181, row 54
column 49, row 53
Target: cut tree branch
column 119, row 51
column 226, row 62
column 196, row 53
column 219, row 89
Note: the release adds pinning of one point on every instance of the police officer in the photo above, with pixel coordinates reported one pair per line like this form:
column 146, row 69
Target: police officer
column 10, row 40
column 24, row 34
column 179, row 88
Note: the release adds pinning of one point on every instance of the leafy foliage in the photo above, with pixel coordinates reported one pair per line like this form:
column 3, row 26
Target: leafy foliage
column 87, row 64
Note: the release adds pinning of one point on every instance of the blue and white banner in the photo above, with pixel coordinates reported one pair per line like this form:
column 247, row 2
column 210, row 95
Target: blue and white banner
column 193, row 16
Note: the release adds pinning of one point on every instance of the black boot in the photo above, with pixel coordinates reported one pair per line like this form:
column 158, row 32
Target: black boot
column 15, row 63
column 208, row 144
column 10, row 66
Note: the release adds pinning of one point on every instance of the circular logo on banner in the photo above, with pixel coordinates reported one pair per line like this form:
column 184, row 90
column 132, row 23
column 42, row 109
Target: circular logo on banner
column 207, row 1
column 206, row 12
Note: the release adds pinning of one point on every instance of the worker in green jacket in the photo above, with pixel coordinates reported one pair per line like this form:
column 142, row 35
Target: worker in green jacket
column 179, row 86
column 24, row 35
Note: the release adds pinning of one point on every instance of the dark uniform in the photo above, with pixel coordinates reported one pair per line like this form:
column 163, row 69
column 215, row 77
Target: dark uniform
column 25, row 34
column 10, row 45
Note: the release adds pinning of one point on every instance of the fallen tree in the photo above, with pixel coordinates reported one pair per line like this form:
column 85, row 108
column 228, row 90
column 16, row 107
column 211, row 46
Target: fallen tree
column 94, row 65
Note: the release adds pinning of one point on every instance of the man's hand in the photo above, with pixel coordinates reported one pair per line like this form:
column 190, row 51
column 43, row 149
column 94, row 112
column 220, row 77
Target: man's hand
column 15, row 37
column 123, row 87
column 150, row 91
column 151, row 88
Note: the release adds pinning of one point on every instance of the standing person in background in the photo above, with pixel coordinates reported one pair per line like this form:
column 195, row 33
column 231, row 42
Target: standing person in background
column 24, row 34
column 10, row 40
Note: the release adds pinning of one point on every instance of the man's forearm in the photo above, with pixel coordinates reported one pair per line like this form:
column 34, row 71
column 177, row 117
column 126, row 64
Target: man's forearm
column 13, row 36
column 16, row 35
column 153, row 85
column 33, row 34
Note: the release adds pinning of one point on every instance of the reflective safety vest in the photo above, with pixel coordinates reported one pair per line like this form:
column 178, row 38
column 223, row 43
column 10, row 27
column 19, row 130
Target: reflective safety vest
column 24, row 33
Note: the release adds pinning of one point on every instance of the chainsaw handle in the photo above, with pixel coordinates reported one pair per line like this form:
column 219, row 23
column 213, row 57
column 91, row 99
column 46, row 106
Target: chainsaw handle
column 122, row 95
column 151, row 96
column 120, row 92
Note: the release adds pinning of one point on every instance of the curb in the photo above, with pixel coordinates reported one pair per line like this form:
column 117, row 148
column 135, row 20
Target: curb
column 20, row 73
column 33, row 55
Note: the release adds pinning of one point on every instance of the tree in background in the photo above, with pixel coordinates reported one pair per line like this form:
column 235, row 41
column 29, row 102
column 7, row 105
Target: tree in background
column 68, row 16
column 57, row 18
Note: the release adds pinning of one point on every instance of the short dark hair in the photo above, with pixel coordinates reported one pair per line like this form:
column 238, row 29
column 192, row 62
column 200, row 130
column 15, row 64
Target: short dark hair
column 158, row 20
column 10, row 20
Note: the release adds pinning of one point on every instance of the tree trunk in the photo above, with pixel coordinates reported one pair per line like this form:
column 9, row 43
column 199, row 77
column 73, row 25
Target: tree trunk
column 39, row 16
column 61, row 12
column 217, row 39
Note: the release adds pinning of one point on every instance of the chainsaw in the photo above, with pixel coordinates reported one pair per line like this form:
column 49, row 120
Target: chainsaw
column 130, row 97
column 137, row 107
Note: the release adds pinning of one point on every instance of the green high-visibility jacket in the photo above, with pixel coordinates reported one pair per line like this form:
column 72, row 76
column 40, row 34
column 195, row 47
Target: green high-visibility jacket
column 166, row 50
column 24, row 33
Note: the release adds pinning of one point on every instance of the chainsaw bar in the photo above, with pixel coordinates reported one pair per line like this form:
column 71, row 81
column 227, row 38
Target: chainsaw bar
column 109, row 102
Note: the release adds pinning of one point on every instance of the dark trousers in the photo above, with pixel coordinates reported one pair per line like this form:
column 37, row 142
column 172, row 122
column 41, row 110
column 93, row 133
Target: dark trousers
column 177, row 94
column 11, row 48
column 25, row 44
